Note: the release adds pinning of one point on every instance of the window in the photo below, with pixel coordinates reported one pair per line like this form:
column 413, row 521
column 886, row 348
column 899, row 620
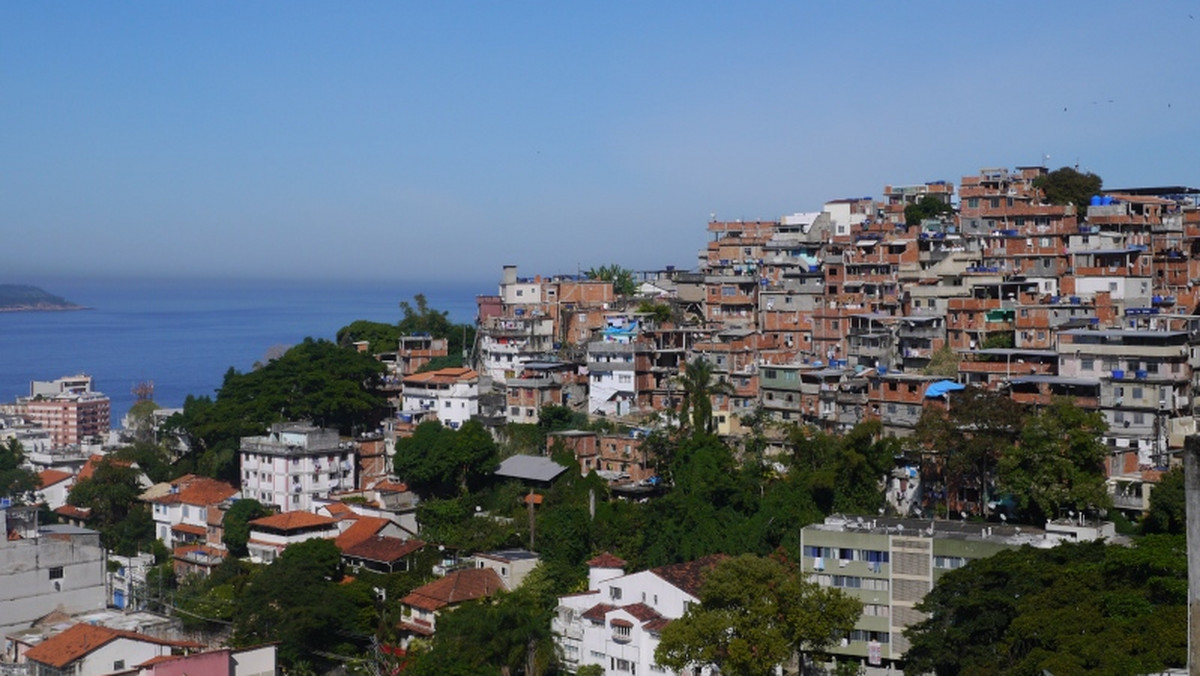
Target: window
column 1087, row 364
column 118, row 665
column 56, row 573
column 614, row 593
column 620, row 665
column 622, row 631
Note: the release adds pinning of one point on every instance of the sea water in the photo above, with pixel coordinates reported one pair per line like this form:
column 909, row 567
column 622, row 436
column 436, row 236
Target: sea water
column 183, row 335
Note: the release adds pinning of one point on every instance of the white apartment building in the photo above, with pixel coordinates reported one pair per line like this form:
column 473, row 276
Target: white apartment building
column 294, row 464
column 450, row 394
column 617, row 623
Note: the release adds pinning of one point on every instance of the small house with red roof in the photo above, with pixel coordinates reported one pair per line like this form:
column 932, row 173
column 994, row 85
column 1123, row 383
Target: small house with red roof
column 450, row 395
column 181, row 511
column 618, row 622
column 53, row 487
column 94, row 650
column 270, row 535
column 382, row 554
column 422, row 606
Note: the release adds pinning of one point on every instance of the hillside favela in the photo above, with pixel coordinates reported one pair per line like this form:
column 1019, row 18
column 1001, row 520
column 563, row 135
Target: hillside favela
column 938, row 431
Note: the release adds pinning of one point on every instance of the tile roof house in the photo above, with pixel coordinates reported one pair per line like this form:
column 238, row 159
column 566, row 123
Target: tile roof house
column 381, row 554
column 93, row 650
column 181, row 511
column 270, row 535
column 53, row 487
column 422, row 606
column 617, row 622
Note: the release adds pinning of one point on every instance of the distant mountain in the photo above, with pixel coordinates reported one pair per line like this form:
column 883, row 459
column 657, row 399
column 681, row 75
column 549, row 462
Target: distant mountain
column 15, row 297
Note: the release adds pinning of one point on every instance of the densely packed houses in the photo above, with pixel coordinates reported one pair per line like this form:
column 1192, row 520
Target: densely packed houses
column 851, row 313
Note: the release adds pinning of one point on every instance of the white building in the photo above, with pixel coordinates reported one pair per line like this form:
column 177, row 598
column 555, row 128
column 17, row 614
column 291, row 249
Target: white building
column 512, row 565
column 93, row 650
column 617, row 623
column 47, row 568
column 181, row 512
column 294, row 464
column 450, row 394
column 270, row 535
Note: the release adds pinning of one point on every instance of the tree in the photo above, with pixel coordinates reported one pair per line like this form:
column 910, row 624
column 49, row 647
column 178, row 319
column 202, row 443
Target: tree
column 1088, row 608
column 236, row 524
column 16, row 482
column 754, row 614
column 1168, row 509
column 927, row 207
column 1058, row 464
column 967, row 439
column 442, row 461
column 698, row 387
column 1069, row 186
column 621, row 278
column 943, row 362
column 298, row 602
column 141, row 416
column 111, row 493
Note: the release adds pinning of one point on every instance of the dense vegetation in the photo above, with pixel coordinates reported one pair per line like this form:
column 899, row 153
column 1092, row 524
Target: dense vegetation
column 420, row 319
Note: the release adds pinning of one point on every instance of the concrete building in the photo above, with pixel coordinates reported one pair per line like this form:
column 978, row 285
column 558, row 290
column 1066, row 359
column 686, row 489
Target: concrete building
column 93, row 650
column 294, row 464
column 616, row 624
column 449, row 395
column 890, row 564
column 46, row 568
column 181, row 513
column 68, row 409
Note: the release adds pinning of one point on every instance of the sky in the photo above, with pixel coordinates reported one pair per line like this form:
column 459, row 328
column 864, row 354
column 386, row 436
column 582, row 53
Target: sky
column 443, row 140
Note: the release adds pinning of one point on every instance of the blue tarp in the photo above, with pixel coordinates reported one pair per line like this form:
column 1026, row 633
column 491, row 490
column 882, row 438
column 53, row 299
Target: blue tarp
column 941, row 387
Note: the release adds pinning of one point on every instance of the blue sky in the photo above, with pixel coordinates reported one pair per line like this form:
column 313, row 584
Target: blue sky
column 403, row 140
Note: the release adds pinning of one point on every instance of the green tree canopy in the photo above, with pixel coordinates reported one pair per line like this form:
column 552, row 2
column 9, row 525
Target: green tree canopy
column 1069, row 186
column 298, row 602
column 16, row 482
column 621, row 278
column 1076, row 609
column 755, row 613
column 1168, row 508
column 111, row 493
column 1058, row 464
column 236, row 524
column 927, row 207
column 439, row 461
column 315, row 380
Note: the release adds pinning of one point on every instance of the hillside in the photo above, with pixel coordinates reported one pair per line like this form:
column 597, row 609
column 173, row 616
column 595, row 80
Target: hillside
column 16, row 297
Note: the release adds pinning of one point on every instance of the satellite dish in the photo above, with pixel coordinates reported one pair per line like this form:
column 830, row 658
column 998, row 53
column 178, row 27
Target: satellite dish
column 859, row 519
column 899, row 528
column 1004, row 517
column 964, row 515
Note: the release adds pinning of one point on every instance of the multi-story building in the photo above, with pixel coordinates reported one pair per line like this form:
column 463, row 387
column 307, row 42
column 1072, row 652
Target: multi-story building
column 47, row 567
column 617, row 622
column 68, row 409
column 181, row 513
column 295, row 463
column 449, row 395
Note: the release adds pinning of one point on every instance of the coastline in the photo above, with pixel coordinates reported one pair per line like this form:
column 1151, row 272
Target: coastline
column 44, row 308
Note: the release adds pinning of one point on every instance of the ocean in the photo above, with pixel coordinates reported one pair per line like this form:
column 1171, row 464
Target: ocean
column 183, row 335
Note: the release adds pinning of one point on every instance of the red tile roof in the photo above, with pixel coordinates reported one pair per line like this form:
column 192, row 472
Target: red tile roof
column 689, row 576
column 597, row 612
column 49, row 477
column 189, row 529
column 447, row 375
column 74, row 512
column 93, row 461
column 76, row 642
column 607, row 560
column 293, row 521
column 363, row 528
column 461, row 585
column 383, row 549
column 641, row 611
column 196, row 490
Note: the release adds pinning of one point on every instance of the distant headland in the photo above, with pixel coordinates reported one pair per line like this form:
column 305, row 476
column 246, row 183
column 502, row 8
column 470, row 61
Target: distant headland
column 24, row 298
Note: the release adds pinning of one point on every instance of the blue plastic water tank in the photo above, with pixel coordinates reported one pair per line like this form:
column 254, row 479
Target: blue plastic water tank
column 1095, row 200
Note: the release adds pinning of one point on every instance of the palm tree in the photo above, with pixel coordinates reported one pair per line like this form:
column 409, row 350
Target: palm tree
column 698, row 388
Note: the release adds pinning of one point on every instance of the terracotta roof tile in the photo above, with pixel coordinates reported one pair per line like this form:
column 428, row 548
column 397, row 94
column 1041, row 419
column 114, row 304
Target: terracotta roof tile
column 49, row 477
column 293, row 521
column 383, row 549
column 189, row 529
column 689, row 576
column 461, row 585
column 597, row 612
column 363, row 528
column 656, row 625
column 447, row 375
column 196, row 490
column 79, row 640
column 94, row 461
column 74, row 512
column 641, row 611
column 607, row 560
